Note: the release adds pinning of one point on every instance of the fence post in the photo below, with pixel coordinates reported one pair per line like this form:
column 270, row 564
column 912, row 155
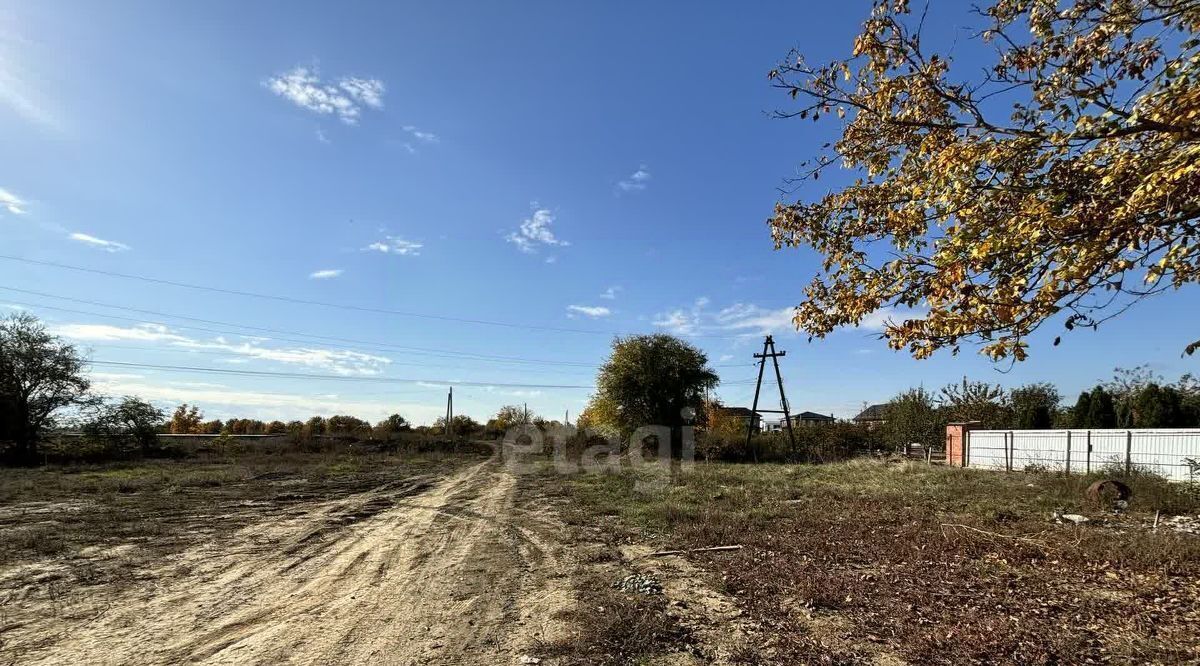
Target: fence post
column 1068, row 452
column 1012, row 450
column 1088, row 467
column 966, row 453
column 1128, row 452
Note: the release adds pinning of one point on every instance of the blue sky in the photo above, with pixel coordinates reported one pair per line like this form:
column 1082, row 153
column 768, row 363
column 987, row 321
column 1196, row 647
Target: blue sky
column 604, row 168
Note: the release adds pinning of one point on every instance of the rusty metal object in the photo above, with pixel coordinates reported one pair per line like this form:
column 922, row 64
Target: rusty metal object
column 1107, row 492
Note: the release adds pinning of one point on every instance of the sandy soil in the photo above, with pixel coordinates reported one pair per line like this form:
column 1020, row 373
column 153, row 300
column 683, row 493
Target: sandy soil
column 420, row 571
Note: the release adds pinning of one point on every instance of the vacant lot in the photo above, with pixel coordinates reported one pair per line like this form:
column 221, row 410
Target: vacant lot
column 337, row 558
column 867, row 562
column 294, row 558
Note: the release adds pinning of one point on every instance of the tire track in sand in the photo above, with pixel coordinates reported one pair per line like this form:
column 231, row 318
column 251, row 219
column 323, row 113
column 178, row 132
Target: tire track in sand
column 419, row 572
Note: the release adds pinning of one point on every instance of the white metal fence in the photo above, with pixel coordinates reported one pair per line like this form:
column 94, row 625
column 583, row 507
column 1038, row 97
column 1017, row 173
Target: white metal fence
column 1163, row 451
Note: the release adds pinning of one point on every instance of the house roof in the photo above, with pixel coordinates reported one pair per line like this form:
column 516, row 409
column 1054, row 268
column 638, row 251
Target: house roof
column 813, row 416
column 872, row 413
column 745, row 412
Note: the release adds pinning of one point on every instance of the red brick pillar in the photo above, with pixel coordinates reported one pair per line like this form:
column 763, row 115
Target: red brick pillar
column 956, row 443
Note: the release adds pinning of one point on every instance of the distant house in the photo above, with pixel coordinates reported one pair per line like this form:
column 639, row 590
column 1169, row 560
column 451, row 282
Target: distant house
column 812, row 418
column 744, row 414
column 871, row 416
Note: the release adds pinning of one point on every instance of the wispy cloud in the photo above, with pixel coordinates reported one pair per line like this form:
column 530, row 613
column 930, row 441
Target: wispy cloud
column 535, row 232
column 229, row 402
column 754, row 319
column 749, row 319
column 610, row 293
column 636, row 181
column 19, row 83
column 325, row 274
column 11, row 202
column 345, row 98
column 396, row 245
column 106, row 245
column 593, row 311
column 737, row 319
column 421, row 135
column 337, row 361
column 877, row 320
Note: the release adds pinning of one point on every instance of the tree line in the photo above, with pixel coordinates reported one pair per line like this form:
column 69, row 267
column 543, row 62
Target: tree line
column 1133, row 398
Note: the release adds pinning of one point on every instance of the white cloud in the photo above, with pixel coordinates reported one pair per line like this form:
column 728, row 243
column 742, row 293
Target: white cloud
column 682, row 321
column 737, row 319
column 337, row 361
column 610, row 293
column 535, row 232
column 636, row 182
column 748, row 317
column 230, row 402
column 106, row 245
column 365, row 91
column 875, row 321
column 20, row 82
column 345, row 99
column 11, row 202
column 418, row 134
column 396, row 245
column 750, row 320
column 593, row 311
column 325, row 274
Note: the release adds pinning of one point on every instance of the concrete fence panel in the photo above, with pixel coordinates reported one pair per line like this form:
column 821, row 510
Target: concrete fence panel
column 1168, row 452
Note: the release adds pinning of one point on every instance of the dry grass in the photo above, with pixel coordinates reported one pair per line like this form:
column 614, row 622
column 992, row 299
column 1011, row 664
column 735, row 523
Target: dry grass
column 931, row 564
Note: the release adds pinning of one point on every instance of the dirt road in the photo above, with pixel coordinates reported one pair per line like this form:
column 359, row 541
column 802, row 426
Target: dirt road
column 420, row 571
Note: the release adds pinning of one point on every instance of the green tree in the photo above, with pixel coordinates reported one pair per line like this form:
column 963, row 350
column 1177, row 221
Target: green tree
column 40, row 375
column 1157, row 406
column 130, row 419
column 511, row 415
column 984, row 403
column 461, row 426
column 313, row 427
column 1189, row 391
column 1034, row 406
column 1101, row 411
column 1060, row 180
column 650, row 379
column 1080, row 413
column 913, row 416
column 390, row 426
column 341, row 424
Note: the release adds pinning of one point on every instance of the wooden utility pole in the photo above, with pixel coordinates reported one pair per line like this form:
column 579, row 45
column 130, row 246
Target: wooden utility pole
column 769, row 352
column 449, row 410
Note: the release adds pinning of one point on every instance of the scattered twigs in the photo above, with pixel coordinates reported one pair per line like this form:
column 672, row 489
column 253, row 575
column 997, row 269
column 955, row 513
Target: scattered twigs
column 993, row 535
column 710, row 549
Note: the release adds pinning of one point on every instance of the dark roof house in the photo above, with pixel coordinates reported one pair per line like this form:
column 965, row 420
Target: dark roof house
column 812, row 418
column 875, row 414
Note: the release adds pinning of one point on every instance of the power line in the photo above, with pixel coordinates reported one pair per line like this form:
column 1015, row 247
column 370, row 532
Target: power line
column 245, row 354
column 326, row 304
column 263, row 329
column 303, row 301
column 379, row 346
